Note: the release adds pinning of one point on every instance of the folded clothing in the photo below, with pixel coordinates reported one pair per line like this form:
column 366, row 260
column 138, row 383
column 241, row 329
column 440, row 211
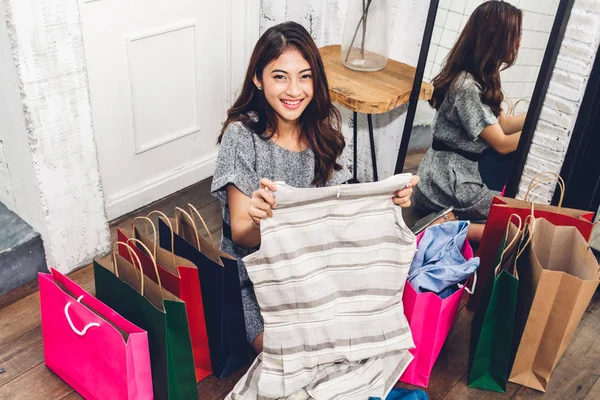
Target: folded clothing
column 439, row 265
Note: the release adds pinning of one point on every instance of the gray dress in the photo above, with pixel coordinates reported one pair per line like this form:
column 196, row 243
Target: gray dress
column 449, row 178
column 244, row 159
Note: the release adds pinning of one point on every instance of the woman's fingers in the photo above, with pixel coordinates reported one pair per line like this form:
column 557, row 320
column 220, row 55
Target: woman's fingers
column 262, row 201
column 267, row 183
column 266, row 197
column 402, row 201
column 257, row 214
column 264, row 207
column 266, row 188
column 402, row 196
column 414, row 180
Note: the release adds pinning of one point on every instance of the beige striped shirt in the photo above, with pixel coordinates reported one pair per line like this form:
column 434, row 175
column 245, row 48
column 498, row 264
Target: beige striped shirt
column 329, row 277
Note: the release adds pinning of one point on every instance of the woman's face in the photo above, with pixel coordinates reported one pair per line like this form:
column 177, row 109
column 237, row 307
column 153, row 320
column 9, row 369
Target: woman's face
column 288, row 85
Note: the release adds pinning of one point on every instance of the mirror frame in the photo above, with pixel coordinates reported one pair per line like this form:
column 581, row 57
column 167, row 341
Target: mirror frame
column 555, row 39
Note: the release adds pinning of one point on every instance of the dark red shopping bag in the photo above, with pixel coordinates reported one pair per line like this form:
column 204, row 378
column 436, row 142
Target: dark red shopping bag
column 502, row 209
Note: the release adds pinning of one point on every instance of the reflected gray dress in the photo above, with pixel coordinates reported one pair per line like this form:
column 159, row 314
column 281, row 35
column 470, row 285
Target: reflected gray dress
column 449, row 178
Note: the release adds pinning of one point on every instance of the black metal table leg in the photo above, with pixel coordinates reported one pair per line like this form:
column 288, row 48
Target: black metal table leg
column 355, row 139
column 372, row 140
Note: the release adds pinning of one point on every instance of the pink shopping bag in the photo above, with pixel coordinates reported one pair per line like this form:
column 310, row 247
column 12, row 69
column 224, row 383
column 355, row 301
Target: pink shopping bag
column 430, row 318
column 92, row 348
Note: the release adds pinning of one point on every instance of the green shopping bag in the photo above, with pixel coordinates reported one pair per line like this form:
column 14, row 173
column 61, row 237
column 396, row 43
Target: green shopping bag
column 147, row 305
column 492, row 326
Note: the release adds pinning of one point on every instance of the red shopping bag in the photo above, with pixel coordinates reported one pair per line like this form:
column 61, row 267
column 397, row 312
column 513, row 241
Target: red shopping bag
column 502, row 208
column 180, row 277
column 92, row 348
column 430, row 318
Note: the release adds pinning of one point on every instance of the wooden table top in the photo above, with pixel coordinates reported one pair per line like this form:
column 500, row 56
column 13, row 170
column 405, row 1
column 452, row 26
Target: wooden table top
column 370, row 92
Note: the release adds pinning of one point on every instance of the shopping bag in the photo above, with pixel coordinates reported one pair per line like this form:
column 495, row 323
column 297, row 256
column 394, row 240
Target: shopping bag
column 430, row 318
column 78, row 331
column 221, row 294
column 502, row 208
column 558, row 276
column 492, row 326
column 160, row 313
column 180, row 277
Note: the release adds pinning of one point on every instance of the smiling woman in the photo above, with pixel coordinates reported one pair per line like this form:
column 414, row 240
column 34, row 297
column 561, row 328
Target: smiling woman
column 283, row 127
column 286, row 67
column 287, row 89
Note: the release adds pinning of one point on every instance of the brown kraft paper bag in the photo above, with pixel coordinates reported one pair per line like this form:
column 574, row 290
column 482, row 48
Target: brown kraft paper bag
column 558, row 277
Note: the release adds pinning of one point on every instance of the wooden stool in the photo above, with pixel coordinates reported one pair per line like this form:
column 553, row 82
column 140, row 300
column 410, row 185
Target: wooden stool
column 369, row 92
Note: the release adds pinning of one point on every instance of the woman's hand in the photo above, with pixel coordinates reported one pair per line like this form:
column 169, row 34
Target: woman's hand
column 402, row 196
column 262, row 202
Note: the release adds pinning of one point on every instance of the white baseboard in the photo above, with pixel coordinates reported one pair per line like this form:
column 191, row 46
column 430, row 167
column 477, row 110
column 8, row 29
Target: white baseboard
column 160, row 186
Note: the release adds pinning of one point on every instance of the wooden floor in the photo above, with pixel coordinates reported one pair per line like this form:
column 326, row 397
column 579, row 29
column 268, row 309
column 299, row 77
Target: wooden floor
column 26, row 377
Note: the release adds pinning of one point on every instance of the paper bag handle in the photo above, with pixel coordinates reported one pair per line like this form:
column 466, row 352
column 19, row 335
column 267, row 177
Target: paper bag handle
column 178, row 211
column 508, row 246
column 531, row 223
column 85, row 328
column 557, row 178
column 560, row 185
column 472, row 290
column 134, row 258
column 154, row 235
column 153, row 262
column 194, row 210
column 514, row 107
column 168, row 222
column 509, row 104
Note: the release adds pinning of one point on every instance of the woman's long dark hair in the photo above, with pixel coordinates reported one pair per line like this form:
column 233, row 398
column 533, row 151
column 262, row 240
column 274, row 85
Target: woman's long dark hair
column 320, row 121
column 488, row 44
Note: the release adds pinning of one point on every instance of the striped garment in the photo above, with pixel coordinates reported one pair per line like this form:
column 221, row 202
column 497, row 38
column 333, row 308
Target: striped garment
column 329, row 277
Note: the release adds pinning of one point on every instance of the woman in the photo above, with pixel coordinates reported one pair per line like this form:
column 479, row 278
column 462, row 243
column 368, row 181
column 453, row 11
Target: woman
column 467, row 96
column 283, row 127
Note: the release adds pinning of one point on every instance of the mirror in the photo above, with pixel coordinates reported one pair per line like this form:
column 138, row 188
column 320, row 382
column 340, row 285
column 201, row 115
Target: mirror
column 523, row 84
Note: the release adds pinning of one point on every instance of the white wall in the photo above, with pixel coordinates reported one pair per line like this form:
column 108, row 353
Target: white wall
column 324, row 19
column 565, row 93
column 53, row 136
column 18, row 184
column 5, row 185
column 519, row 81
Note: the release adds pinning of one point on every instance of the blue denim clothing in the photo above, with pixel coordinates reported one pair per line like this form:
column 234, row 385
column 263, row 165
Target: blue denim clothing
column 438, row 265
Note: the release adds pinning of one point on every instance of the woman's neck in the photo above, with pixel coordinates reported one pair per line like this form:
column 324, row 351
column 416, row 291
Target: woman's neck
column 289, row 135
column 288, row 129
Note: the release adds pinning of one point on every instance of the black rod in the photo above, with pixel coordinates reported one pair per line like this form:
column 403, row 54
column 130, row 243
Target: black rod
column 416, row 88
column 539, row 94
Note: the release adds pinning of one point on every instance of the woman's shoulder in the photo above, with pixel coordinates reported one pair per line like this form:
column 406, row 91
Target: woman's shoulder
column 238, row 134
column 465, row 83
column 237, row 129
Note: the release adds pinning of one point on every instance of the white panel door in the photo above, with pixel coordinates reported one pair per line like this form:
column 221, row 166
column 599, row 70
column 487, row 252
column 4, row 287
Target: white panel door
column 160, row 81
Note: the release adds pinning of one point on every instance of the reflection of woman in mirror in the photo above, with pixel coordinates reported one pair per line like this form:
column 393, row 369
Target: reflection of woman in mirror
column 467, row 96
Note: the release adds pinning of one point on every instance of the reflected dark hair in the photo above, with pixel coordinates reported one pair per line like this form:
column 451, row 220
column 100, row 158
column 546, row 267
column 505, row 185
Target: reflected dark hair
column 320, row 122
column 488, row 44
